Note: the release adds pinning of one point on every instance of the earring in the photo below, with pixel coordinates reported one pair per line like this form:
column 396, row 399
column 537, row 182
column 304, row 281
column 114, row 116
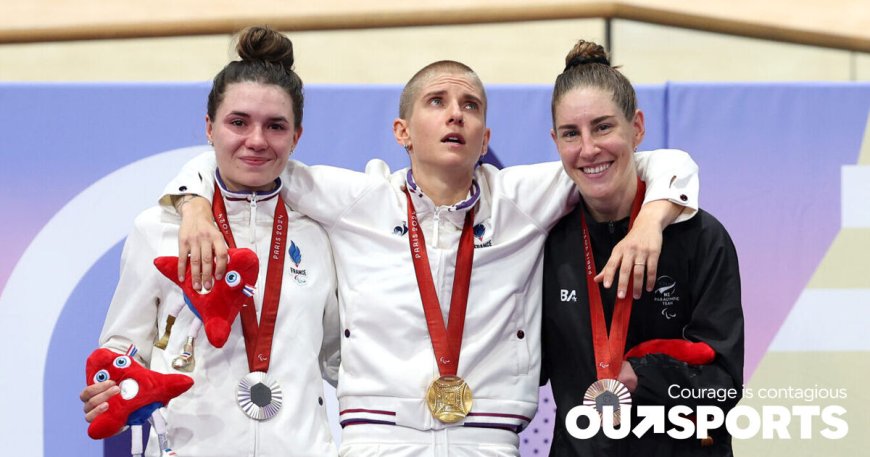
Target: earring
column 407, row 148
column 210, row 143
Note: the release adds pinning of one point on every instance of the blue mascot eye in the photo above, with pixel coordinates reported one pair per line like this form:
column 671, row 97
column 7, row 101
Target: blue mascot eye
column 233, row 279
column 122, row 361
column 101, row 376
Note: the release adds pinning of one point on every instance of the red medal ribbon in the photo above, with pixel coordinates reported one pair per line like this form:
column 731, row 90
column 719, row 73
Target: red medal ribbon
column 446, row 340
column 608, row 349
column 258, row 338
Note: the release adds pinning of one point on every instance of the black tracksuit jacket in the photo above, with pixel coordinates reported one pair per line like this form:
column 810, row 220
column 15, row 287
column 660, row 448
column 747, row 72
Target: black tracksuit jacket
column 696, row 297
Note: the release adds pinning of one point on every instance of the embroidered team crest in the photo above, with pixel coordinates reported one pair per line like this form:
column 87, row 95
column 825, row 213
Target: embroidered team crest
column 299, row 274
column 479, row 230
column 482, row 235
column 665, row 294
column 401, row 230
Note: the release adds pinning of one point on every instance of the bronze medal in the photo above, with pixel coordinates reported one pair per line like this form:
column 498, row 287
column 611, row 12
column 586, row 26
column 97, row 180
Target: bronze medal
column 449, row 399
column 607, row 392
column 608, row 347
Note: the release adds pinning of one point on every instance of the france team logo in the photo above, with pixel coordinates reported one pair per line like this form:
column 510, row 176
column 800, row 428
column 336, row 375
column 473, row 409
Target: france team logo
column 299, row 275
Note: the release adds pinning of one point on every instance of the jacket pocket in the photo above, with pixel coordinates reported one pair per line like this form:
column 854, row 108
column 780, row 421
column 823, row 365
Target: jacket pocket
column 519, row 335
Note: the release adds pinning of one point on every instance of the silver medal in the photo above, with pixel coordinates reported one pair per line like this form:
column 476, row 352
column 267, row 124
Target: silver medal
column 259, row 396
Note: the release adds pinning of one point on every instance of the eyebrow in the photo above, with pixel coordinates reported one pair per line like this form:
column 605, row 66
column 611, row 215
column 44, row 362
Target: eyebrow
column 475, row 98
column 434, row 93
column 595, row 121
column 442, row 92
column 246, row 115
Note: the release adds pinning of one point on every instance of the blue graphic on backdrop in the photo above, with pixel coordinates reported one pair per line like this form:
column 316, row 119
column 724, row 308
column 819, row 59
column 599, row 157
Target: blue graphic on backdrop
column 76, row 334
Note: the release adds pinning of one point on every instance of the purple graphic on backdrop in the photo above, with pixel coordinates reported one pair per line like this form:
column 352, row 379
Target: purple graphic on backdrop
column 770, row 158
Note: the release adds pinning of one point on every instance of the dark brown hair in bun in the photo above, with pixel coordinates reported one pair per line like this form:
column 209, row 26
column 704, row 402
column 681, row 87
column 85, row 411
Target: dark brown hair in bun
column 266, row 58
column 587, row 65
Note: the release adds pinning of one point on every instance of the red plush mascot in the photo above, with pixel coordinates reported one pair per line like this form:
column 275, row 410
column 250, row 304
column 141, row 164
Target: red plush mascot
column 216, row 309
column 143, row 392
column 693, row 353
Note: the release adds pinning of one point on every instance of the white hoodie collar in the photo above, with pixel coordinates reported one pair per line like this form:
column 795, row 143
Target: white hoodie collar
column 455, row 213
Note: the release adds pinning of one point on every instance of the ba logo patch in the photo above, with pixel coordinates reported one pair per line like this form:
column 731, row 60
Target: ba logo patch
column 299, row 274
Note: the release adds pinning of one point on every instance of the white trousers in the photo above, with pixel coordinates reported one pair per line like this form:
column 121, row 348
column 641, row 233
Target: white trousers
column 374, row 440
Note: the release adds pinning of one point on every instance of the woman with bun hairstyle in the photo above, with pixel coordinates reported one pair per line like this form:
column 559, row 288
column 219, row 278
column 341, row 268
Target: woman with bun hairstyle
column 439, row 271
column 254, row 121
column 604, row 350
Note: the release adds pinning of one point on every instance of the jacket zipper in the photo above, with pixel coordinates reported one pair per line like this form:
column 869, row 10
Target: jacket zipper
column 256, row 438
column 253, row 225
column 436, row 221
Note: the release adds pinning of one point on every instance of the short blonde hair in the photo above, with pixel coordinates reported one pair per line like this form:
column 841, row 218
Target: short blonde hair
column 409, row 92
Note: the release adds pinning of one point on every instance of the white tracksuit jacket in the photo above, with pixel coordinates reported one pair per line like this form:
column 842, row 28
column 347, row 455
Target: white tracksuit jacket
column 387, row 362
column 206, row 420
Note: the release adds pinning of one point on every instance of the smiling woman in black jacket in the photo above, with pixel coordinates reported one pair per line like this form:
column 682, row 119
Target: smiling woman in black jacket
column 685, row 339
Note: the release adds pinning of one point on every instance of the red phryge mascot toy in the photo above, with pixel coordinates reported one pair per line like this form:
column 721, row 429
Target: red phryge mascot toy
column 143, row 392
column 216, row 309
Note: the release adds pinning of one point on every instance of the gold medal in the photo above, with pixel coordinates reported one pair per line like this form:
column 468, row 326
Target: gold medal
column 259, row 396
column 607, row 392
column 449, row 399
